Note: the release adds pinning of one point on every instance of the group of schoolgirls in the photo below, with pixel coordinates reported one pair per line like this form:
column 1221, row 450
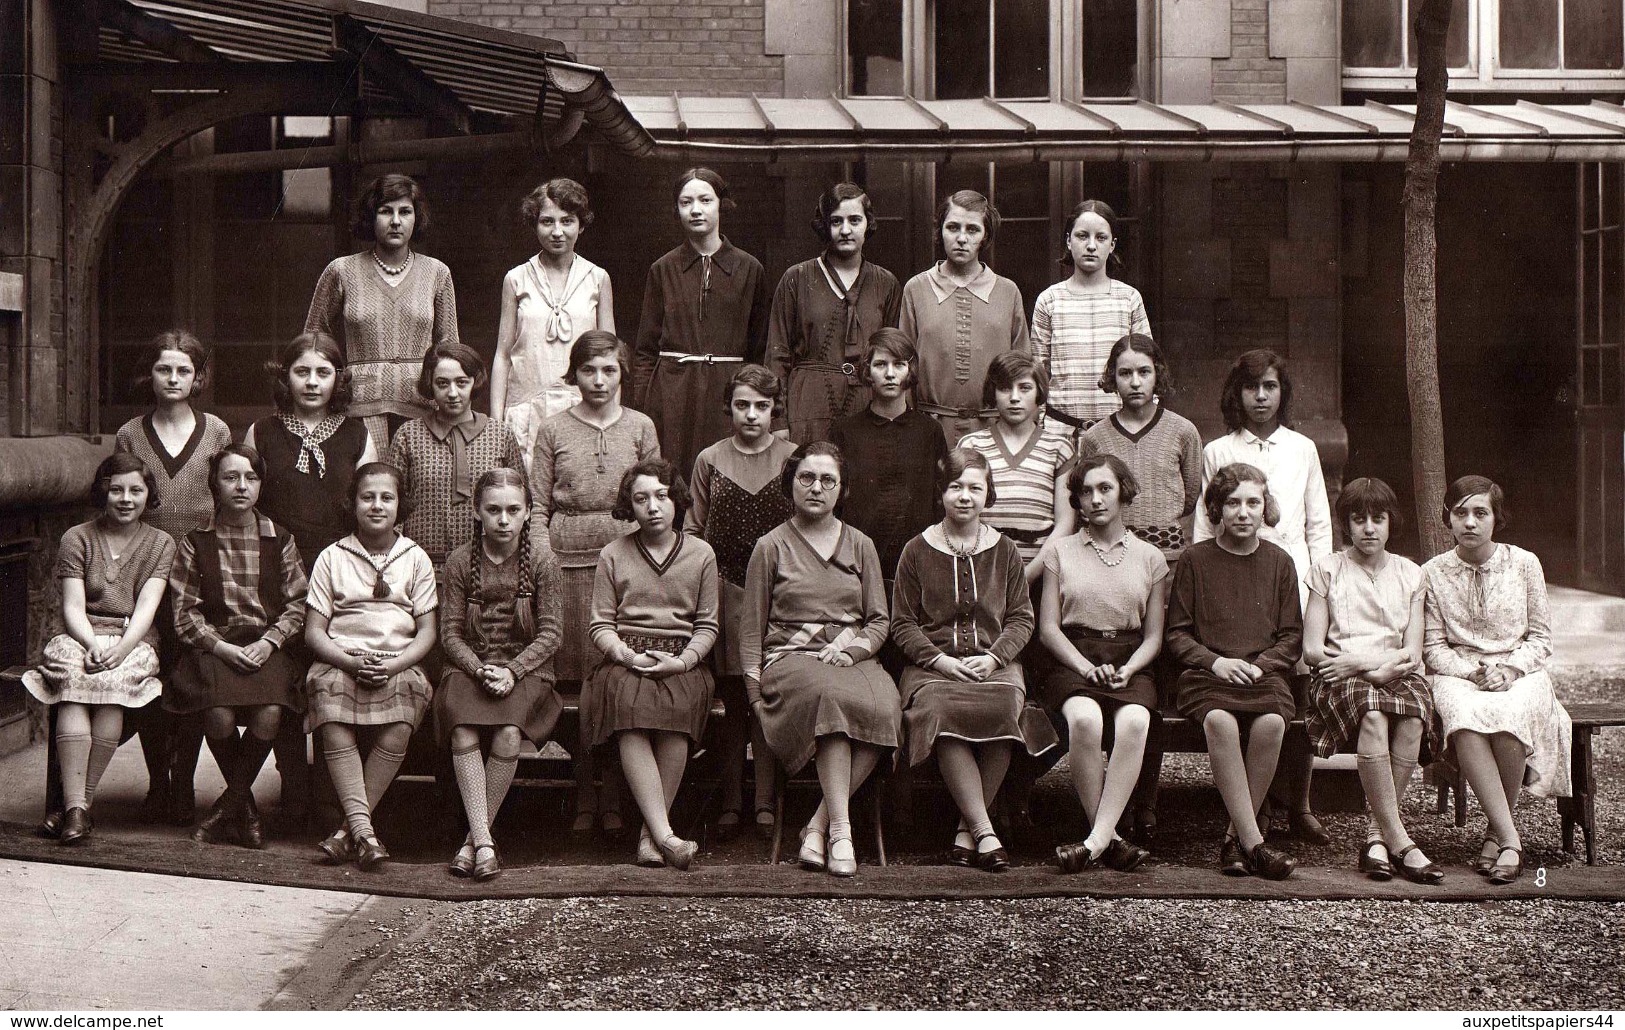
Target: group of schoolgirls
column 300, row 573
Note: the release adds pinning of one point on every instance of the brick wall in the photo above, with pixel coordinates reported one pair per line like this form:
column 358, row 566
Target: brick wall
column 1250, row 75
column 648, row 46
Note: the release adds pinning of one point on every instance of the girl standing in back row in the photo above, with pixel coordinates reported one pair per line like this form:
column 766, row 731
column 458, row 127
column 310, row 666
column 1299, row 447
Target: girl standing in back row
column 705, row 309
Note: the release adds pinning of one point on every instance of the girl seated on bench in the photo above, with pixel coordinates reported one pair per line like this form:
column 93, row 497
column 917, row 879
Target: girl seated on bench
column 961, row 614
column 1362, row 638
column 1236, row 631
column 499, row 629
column 1487, row 640
column 654, row 619
column 239, row 596
column 1102, row 618
column 112, row 572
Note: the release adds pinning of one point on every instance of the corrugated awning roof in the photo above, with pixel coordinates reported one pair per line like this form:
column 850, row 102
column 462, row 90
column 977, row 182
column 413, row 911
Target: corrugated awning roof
column 488, row 70
column 753, row 128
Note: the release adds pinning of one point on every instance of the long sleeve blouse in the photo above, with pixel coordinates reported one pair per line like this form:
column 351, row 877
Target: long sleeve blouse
column 797, row 601
column 1226, row 605
column 699, row 306
column 1491, row 614
column 498, row 595
column 960, row 606
column 674, row 599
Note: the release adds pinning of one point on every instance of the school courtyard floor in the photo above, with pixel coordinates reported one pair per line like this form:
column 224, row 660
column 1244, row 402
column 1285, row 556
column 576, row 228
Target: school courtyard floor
column 143, row 918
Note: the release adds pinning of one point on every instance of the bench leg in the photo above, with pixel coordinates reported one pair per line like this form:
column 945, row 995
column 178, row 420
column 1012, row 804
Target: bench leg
column 880, row 825
column 781, row 781
column 1584, row 788
column 1460, row 787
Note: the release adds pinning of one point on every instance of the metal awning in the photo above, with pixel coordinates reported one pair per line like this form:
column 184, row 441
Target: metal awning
column 769, row 129
column 455, row 68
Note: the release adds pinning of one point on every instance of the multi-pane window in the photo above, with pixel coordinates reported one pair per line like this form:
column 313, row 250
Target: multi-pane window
column 1489, row 40
column 1006, row 49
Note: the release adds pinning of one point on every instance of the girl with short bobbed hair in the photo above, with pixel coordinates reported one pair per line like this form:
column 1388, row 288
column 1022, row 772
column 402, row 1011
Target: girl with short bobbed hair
column 815, row 616
column 824, row 311
column 1236, row 632
column 112, row 571
column 957, row 340
column 654, row 620
column 576, row 468
column 547, row 303
column 705, row 310
column 1487, row 643
column 961, row 615
column 387, row 305
column 738, row 499
column 444, row 453
column 1362, row 640
column 1077, row 321
column 239, row 596
column 1102, row 619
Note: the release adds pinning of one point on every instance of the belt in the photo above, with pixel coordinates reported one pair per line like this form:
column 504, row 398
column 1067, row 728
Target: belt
column 845, row 368
column 683, row 357
column 942, row 411
column 566, row 510
column 1102, row 634
column 1028, row 536
column 1061, row 416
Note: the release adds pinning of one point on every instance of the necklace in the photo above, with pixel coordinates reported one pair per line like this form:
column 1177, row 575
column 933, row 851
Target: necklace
column 963, row 552
column 1101, row 552
column 399, row 269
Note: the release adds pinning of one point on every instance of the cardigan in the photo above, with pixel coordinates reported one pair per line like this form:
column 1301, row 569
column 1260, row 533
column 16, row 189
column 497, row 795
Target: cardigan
column 947, row 604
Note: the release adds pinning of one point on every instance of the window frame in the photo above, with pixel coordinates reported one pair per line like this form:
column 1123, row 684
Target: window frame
column 1483, row 71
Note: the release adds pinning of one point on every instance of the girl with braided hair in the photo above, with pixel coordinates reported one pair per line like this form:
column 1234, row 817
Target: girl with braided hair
column 499, row 629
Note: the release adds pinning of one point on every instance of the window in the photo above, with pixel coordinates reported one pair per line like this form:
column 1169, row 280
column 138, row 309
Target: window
column 1491, row 43
column 1008, row 49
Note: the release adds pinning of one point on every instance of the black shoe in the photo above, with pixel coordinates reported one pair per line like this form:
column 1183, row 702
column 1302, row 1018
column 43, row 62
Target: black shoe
column 1482, row 864
column 155, row 806
column 1378, row 869
column 51, row 825
column 1307, row 828
column 1500, row 873
column 182, row 806
column 1268, row 863
column 370, row 854
column 75, row 826
column 1145, row 825
column 1231, row 861
column 216, row 827
column 1428, row 873
column 961, row 856
column 1075, row 858
column 336, row 848
column 1123, row 856
column 995, row 861
column 250, row 828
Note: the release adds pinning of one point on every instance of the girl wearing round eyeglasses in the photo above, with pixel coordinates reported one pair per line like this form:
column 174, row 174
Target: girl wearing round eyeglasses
column 815, row 614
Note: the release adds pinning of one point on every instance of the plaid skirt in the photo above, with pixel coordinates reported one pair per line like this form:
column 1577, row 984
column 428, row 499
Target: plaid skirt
column 1336, row 707
column 62, row 676
column 335, row 697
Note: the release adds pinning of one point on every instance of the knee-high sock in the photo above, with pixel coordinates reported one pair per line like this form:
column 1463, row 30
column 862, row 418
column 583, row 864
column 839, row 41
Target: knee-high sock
column 101, row 753
column 1404, row 769
column 344, row 766
column 499, row 770
column 470, row 772
column 251, row 754
column 73, row 756
column 382, row 765
column 225, row 750
column 1377, row 777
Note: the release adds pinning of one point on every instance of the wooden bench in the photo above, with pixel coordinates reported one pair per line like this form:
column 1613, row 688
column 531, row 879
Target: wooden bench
column 1579, row 808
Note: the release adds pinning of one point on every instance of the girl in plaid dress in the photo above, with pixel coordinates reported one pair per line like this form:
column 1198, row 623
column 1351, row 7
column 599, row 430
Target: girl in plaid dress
column 371, row 621
column 1362, row 639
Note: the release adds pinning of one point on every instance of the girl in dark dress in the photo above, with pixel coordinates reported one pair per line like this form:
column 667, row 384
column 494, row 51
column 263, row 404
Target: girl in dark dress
column 310, row 448
column 961, row 614
column 239, row 596
column 499, row 628
column 705, row 307
column 1235, row 628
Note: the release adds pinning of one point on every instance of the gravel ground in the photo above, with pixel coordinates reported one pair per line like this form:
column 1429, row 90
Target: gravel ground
column 650, row 953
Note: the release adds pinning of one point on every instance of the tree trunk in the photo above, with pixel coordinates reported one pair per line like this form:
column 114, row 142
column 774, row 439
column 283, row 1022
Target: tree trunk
column 1421, row 299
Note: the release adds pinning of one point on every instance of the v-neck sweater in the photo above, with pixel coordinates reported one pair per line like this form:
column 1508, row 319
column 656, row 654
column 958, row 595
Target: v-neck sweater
column 676, row 600
column 183, row 478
